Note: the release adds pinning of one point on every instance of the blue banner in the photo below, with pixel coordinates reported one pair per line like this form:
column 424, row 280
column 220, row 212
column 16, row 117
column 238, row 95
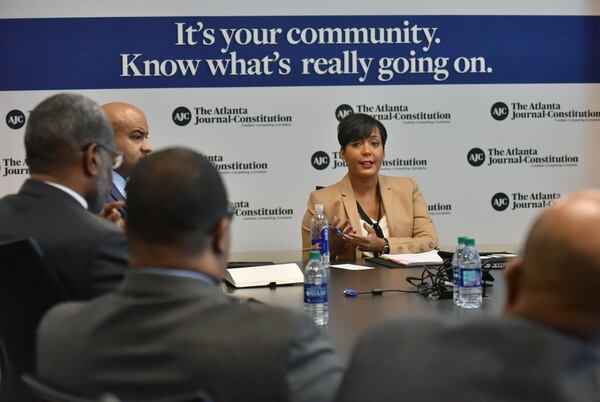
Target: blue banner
column 176, row 52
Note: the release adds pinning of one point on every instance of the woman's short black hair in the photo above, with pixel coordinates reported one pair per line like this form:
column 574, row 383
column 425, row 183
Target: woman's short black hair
column 358, row 126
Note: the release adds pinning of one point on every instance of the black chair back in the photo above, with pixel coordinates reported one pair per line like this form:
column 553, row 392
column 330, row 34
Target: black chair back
column 27, row 290
column 47, row 393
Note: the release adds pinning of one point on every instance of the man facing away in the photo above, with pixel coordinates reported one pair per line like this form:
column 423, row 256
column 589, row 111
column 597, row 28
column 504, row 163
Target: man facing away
column 169, row 328
column 70, row 152
column 545, row 348
column 130, row 129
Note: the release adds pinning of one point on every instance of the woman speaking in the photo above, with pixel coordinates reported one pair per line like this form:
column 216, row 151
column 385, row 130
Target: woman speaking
column 370, row 213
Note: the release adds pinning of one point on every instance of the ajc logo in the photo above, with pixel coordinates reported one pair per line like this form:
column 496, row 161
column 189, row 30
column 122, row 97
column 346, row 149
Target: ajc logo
column 343, row 111
column 320, row 160
column 499, row 111
column 500, row 201
column 15, row 119
column 182, row 116
column 476, row 157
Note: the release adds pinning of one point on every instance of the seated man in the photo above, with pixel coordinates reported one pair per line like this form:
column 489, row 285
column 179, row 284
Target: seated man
column 169, row 328
column 545, row 348
column 69, row 148
column 130, row 130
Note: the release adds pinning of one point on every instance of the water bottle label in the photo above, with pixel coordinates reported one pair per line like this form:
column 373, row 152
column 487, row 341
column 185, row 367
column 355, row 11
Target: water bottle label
column 315, row 293
column 470, row 278
column 456, row 275
column 324, row 244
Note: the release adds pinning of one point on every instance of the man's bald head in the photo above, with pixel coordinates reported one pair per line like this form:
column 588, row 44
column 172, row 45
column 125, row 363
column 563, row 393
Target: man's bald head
column 558, row 278
column 130, row 130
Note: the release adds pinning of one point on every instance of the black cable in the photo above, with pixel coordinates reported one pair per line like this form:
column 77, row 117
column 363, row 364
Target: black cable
column 379, row 292
column 433, row 281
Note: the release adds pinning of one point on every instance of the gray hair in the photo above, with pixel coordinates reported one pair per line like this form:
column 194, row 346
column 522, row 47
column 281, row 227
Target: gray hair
column 59, row 128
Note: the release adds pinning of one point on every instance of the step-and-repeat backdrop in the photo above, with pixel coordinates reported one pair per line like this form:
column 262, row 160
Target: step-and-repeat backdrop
column 495, row 113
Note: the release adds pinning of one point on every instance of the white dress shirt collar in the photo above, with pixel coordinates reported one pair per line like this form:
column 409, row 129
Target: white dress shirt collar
column 120, row 182
column 72, row 193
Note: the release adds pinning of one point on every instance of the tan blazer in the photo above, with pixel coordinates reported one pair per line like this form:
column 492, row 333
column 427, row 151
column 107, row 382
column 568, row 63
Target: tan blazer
column 410, row 226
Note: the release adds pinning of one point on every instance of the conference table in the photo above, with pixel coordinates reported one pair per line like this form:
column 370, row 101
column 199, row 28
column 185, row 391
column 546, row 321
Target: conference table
column 349, row 317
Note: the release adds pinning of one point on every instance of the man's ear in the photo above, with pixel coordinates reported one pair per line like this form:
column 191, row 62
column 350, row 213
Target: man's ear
column 513, row 275
column 91, row 160
column 342, row 153
column 220, row 241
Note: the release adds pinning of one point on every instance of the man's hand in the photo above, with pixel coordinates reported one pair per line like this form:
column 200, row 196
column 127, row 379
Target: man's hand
column 111, row 212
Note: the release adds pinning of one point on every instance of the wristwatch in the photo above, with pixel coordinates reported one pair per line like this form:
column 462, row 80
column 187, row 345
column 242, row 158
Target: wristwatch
column 386, row 248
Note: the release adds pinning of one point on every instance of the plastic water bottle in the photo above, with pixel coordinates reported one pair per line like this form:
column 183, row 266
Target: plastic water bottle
column 455, row 269
column 316, row 290
column 319, row 234
column 470, row 276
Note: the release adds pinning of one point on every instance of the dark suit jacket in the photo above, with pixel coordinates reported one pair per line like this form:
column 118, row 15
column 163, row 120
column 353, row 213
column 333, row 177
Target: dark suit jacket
column 88, row 252
column 115, row 195
column 160, row 334
column 410, row 226
column 486, row 359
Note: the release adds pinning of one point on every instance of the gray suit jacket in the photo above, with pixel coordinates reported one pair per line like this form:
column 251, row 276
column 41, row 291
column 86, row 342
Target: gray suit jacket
column 160, row 334
column 488, row 359
column 88, row 252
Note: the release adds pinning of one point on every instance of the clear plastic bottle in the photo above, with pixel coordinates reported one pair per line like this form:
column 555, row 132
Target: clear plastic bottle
column 316, row 289
column 470, row 292
column 455, row 269
column 319, row 234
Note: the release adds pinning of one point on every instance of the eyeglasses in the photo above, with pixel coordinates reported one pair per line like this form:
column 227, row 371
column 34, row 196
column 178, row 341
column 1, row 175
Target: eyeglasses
column 117, row 155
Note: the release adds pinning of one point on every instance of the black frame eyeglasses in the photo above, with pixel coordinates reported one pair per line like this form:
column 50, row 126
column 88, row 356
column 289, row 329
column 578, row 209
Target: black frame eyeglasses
column 117, row 155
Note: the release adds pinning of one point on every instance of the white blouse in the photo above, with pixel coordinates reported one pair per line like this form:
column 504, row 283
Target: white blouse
column 384, row 228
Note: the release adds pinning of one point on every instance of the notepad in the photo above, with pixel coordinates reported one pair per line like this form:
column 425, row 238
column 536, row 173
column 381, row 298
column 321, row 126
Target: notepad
column 426, row 258
column 351, row 267
column 265, row 275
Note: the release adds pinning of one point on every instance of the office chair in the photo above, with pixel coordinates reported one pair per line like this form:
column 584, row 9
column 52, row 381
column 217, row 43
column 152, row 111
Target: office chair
column 27, row 290
column 47, row 393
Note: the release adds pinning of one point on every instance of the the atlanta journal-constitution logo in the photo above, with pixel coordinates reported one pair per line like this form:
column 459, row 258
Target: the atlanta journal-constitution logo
column 13, row 167
column 519, row 156
column 249, row 212
column 321, row 160
column 389, row 112
column 226, row 166
column 439, row 208
column 537, row 110
column 209, row 115
column 502, row 202
column 15, row 119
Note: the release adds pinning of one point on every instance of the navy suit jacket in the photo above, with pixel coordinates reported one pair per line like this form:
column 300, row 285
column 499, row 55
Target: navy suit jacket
column 115, row 195
column 88, row 252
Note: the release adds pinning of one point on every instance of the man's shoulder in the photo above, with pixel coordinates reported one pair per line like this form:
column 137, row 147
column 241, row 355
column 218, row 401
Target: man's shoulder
column 214, row 315
column 444, row 337
column 60, row 216
column 267, row 313
column 413, row 334
column 61, row 316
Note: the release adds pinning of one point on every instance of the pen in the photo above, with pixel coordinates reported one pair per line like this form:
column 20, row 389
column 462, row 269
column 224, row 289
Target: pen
column 337, row 230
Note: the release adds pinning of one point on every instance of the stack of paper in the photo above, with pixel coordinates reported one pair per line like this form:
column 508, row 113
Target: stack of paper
column 427, row 258
column 266, row 275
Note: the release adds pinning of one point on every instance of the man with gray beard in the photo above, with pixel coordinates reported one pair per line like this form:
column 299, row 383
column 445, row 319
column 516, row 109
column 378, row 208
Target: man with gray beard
column 70, row 153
